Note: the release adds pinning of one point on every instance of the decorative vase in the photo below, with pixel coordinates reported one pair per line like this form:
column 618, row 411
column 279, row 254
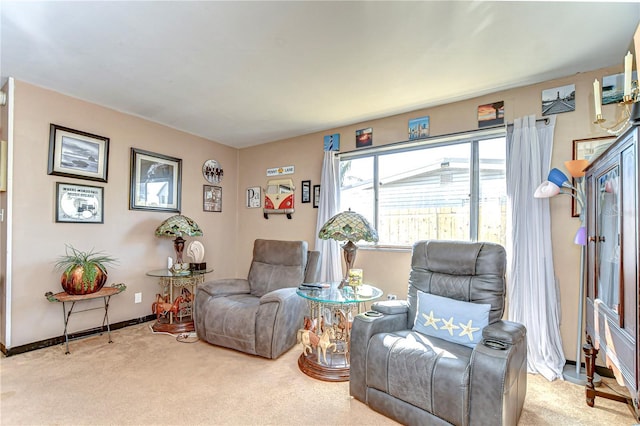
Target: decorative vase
column 73, row 282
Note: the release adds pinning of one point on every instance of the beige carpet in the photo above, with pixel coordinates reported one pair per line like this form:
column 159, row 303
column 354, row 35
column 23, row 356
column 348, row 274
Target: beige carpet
column 149, row 379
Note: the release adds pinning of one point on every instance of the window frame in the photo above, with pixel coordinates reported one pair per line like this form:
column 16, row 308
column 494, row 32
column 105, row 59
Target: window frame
column 473, row 137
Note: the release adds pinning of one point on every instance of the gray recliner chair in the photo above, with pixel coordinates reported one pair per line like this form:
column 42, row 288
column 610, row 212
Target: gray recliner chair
column 422, row 362
column 259, row 315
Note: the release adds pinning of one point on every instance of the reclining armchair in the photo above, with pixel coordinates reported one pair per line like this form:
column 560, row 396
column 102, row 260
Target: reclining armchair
column 443, row 356
column 259, row 315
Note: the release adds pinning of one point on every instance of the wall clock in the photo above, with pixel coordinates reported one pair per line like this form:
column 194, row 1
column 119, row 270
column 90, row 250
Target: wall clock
column 212, row 171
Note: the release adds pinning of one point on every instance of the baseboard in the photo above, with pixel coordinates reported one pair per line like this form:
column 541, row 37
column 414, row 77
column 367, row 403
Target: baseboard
column 602, row 371
column 60, row 339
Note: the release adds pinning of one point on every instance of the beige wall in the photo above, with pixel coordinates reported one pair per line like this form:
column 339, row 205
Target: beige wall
column 128, row 234
column 229, row 236
column 389, row 269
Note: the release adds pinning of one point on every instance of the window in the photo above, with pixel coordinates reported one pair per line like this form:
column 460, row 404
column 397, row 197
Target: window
column 449, row 188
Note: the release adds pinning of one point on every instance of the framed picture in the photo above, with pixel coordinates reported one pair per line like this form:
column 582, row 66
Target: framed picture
column 491, row 114
column 316, row 196
column 79, row 203
column 155, row 181
column 253, row 197
column 306, row 191
column 364, row 137
column 613, row 87
column 559, row 100
column 587, row 149
column 332, row 142
column 419, row 128
column 212, row 198
column 77, row 154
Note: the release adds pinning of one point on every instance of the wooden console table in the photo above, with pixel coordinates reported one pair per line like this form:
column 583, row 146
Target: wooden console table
column 104, row 292
column 331, row 310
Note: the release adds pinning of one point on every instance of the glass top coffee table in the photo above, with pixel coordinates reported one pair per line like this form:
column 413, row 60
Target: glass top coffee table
column 326, row 332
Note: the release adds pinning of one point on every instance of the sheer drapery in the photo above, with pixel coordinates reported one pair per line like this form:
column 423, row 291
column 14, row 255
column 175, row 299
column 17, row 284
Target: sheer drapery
column 330, row 262
column 532, row 289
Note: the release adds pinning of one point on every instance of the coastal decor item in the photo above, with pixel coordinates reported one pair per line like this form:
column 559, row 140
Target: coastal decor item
column 418, row 128
column 77, row 154
column 491, row 114
column 83, row 272
column 175, row 227
column 156, row 181
column 351, row 227
column 559, row 100
column 364, row 137
column 212, row 171
column 79, row 203
column 332, row 142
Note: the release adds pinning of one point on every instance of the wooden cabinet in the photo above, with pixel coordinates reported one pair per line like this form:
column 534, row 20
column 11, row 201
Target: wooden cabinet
column 612, row 271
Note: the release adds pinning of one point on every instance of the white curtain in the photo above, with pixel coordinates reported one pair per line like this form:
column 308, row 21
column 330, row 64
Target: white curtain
column 533, row 295
column 328, row 205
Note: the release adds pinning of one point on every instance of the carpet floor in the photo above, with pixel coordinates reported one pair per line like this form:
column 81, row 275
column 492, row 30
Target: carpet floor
column 153, row 379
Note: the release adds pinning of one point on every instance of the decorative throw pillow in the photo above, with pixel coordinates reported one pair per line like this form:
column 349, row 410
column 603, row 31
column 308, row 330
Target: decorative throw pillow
column 450, row 319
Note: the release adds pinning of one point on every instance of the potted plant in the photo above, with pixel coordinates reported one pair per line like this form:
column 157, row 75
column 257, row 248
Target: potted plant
column 83, row 272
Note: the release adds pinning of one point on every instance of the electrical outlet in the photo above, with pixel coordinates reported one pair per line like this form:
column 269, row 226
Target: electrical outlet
column 391, row 296
column 138, row 298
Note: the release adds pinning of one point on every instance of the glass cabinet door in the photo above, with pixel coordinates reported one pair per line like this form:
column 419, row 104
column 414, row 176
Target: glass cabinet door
column 608, row 239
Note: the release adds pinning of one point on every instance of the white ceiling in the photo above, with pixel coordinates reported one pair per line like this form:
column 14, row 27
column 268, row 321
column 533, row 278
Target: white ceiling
column 245, row 73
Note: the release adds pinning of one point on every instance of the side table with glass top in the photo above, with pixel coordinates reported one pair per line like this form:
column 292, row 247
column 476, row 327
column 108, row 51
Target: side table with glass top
column 173, row 306
column 326, row 336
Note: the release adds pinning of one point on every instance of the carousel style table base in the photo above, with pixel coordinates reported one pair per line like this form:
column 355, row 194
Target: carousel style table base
column 310, row 366
column 326, row 335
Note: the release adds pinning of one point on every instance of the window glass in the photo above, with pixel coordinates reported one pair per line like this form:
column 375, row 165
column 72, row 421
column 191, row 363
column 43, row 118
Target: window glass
column 356, row 187
column 434, row 191
column 424, row 194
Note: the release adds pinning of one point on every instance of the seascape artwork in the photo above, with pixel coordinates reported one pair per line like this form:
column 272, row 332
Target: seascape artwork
column 79, row 154
column 613, row 87
column 491, row 114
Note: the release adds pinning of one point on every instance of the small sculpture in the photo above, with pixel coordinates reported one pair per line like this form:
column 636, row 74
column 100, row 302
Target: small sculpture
column 196, row 251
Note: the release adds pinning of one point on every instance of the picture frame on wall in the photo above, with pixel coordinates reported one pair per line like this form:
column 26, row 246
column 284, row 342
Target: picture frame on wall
column 212, row 198
column 155, row 181
column 316, row 196
column 587, row 149
column 77, row 154
column 419, row 128
column 253, row 197
column 79, row 203
column 306, row 191
column 364, row 137
column 491, row 114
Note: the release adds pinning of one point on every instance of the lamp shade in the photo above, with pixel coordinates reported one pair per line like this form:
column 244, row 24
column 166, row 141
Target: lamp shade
column 557, row 177
column 581, row 236
column 349, row 226
column 576, row 167
column 177, row 226
column 547, row 190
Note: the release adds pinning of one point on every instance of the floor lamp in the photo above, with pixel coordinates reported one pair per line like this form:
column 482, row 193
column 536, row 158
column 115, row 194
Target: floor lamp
column 558, row 183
